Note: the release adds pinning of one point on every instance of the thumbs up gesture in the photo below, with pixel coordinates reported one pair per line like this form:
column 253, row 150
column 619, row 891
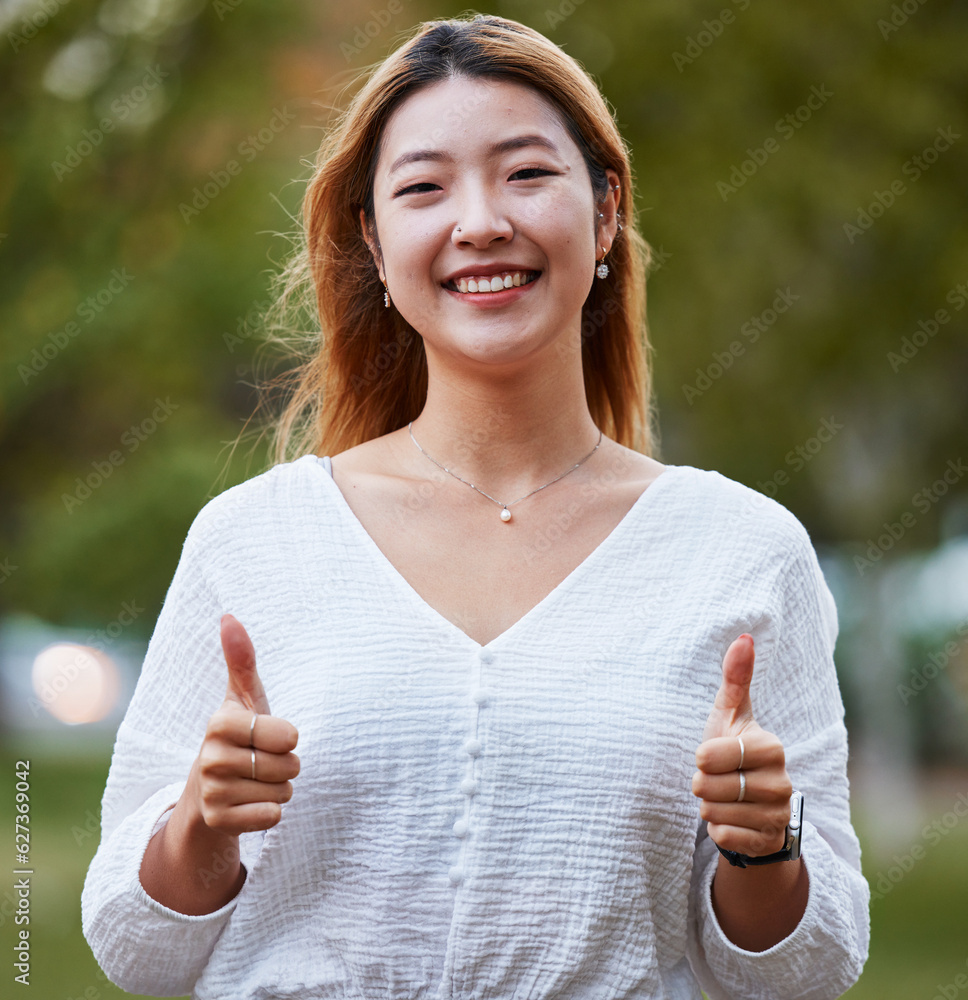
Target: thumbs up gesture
column 244, row 767
column 746, row 810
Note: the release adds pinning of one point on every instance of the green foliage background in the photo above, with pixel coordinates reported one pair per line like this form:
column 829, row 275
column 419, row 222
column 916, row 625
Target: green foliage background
column 694, row 91
column 228, row 69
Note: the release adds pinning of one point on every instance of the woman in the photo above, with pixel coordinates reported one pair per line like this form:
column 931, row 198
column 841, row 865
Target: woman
column 517, row 654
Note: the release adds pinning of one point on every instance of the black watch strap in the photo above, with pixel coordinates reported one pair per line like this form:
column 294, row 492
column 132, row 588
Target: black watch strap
column 791, row 845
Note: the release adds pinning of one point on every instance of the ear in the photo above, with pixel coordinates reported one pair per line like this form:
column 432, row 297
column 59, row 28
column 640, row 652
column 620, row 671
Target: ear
column 608, row 225
column 373, row 243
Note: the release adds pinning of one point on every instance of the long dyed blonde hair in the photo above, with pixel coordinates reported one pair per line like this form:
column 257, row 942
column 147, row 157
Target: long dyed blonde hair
column 362, row 370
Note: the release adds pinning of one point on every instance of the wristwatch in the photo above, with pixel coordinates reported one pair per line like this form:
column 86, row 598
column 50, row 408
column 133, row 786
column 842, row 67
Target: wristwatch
column 791, row 845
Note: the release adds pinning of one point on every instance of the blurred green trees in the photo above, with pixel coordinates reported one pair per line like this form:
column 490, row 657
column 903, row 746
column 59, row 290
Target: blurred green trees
column 801, row 176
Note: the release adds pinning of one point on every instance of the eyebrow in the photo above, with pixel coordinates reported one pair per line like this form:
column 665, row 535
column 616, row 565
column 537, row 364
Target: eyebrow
column 505, row 146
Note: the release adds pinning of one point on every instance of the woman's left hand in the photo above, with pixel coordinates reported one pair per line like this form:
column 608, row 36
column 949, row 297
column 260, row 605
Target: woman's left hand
column 757, row 825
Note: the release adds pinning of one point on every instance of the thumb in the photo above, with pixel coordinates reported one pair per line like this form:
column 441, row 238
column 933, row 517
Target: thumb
column 733, row 706
column 244, row 686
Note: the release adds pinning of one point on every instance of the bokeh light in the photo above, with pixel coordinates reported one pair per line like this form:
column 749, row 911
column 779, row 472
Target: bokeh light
column 76, row 683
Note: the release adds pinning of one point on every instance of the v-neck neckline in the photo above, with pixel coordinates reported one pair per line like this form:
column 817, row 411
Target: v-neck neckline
column 398, row 580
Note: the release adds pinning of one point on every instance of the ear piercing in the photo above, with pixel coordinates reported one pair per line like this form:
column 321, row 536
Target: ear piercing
column 602, row 269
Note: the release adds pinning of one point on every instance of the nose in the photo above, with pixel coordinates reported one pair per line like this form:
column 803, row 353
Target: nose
column 481, row 220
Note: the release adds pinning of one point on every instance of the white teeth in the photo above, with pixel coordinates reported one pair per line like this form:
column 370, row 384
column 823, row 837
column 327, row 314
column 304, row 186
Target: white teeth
column 494, row 284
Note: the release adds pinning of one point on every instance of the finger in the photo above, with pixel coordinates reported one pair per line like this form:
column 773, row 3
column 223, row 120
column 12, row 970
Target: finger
column 767, row 819
column 766, row 787
column 734, row 691
column 246, row 791
column 269, row 768
column 245, row 818
column 222, row 762
column 244, row 685
column 221, row 793
column 233, row 724
column 755, row 843
column 721, row 754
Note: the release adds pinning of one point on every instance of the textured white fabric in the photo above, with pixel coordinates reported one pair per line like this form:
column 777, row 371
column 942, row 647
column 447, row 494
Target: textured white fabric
column 512, row 821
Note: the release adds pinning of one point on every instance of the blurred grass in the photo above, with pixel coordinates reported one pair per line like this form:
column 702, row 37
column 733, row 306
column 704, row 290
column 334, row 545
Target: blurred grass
column 65, row 800
column 918, row 940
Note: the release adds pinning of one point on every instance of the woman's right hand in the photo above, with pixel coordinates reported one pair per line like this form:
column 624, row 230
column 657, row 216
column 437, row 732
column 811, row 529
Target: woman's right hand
column 192, row 863
column 226, row 796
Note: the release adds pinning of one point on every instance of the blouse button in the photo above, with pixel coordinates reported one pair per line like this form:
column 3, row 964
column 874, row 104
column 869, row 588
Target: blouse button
column 472, row 747
column 468, row 786
column 485, row 656
column 455, row 874
column 460, row 828
column 480, row 696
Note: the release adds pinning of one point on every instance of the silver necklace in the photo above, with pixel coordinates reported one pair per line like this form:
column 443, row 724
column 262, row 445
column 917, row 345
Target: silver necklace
column 505, row 513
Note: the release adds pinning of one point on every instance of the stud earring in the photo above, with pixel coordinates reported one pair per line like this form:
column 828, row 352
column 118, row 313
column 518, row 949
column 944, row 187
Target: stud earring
column 602, row 269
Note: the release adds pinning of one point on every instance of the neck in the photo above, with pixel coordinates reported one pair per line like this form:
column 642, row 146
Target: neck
column 508, row 432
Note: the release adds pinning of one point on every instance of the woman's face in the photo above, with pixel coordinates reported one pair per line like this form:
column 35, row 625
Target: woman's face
column 478, row 180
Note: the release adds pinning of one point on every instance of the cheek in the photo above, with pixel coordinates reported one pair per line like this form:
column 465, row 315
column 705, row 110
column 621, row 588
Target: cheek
column 409, row 250
column 575, row 253
column 565, row 229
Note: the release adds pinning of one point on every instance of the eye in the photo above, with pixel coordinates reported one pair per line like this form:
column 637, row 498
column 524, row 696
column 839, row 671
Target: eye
column 535, row 171
column 413, row 188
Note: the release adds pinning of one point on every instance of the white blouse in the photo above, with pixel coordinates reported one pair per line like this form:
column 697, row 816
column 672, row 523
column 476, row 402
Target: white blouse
column 512, row 821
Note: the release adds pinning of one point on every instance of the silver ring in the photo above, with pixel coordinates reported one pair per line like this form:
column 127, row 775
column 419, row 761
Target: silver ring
column 742, row 753
column 252, row 730
column 742, row 784
column 253, row 765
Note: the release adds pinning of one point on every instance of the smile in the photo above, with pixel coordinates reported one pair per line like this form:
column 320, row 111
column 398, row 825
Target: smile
column 492, row 282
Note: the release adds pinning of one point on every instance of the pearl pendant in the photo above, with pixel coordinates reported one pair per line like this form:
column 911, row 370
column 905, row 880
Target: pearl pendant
column 505, row 515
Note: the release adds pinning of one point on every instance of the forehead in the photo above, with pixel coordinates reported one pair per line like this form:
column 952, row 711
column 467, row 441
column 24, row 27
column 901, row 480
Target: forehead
column 462, row 115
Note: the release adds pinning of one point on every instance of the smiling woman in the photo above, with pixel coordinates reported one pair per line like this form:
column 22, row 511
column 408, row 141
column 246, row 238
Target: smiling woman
column 453, row 82
column 530, row 763
column 516, row 220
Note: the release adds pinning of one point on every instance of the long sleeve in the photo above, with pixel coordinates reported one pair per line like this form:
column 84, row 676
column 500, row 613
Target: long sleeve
column 510, row 819
column 795, row 695
column 142, row 945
